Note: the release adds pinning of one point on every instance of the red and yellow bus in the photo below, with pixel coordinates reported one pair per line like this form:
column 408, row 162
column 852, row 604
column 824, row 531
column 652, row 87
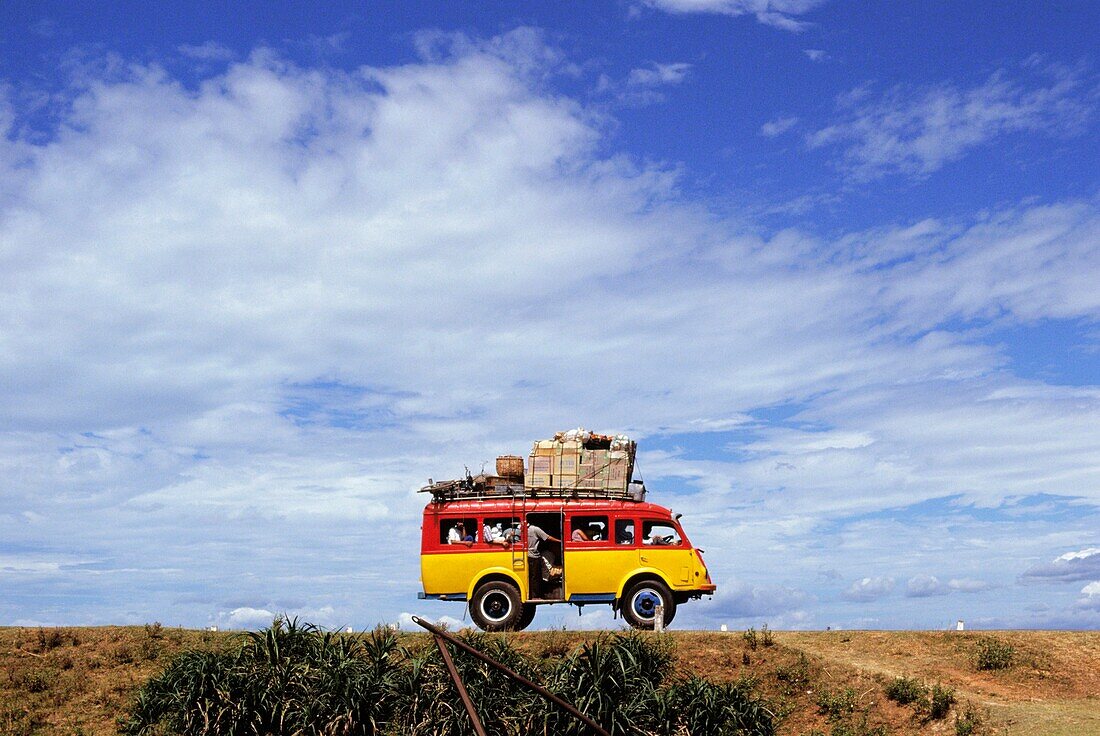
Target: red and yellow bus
column 629, row 554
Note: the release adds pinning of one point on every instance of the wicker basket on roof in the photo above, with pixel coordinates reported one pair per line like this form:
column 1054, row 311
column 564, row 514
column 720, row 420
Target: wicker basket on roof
column 510, row 466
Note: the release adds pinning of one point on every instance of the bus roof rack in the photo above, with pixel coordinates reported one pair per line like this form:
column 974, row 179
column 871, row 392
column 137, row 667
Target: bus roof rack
column 472, row 489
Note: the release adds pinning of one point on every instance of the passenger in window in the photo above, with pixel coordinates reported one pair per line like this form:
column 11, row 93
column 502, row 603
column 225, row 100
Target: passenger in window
column 496, row 534
column 580, row 535
column 624, row 532
column 458, row 535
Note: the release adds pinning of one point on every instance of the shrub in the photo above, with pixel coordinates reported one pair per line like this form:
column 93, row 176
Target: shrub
column 38, row 680
column 750, row 637
column 794, row 676
column 906, row 690
column 697, row 706
column 837, row 705
column 968, row 722
column 940, row 701
column 766, row 637
column 53, row 638
column 994, row 654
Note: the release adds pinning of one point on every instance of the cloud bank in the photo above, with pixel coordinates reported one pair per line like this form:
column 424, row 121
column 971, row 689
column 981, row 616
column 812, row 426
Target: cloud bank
column 244, row 319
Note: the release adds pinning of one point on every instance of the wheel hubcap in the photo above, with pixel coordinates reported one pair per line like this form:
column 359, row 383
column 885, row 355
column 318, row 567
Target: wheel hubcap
column 645, row 603
column 496, row 606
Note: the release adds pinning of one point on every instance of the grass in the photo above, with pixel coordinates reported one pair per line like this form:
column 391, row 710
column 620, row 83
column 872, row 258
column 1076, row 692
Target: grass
column 80, row 680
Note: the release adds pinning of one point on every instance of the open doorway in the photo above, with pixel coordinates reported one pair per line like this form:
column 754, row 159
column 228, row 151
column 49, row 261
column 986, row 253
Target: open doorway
column 546, row 571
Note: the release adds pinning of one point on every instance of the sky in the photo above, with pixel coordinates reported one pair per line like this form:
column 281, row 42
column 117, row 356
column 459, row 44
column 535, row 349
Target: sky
column 265, row 268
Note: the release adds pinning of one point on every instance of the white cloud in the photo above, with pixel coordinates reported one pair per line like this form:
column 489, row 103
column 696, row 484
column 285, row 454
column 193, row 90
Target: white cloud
column 246, row 618
column 658, row 75
column 815, row 54
column 1090, row 597
column 915, row 132
column 741, row 600
column 777, row 127
column 924, row 586
column 969, row 585
column 869, row 589
column 249, row 617
column 779, row 13
column 405, row 621
column 1072, row 566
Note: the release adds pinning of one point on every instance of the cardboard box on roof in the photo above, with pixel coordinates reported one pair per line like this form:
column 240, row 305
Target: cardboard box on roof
column 566, row 482
column 537, row 480
column 539, row 464
column 566, row 464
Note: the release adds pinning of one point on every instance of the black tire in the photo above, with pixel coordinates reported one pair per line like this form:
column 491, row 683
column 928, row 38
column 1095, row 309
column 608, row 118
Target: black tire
column 496, row 606
column 526, row 617
column 639, row 602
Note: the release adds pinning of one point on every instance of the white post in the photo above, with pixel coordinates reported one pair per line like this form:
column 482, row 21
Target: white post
column 659, row 618
column 959, row 625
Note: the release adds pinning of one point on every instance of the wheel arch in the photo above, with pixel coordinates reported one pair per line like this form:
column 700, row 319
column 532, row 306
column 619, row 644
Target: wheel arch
column 497, row 575
column 638, row 576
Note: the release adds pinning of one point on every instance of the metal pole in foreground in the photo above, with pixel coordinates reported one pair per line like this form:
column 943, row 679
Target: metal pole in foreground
column 514, row 675
column 461, row 686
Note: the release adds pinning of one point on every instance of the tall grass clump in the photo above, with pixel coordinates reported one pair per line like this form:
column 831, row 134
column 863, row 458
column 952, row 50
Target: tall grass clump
column 290, row 678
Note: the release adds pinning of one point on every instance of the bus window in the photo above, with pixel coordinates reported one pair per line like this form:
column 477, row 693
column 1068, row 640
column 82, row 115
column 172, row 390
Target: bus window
column 457, row 531
column 624, row 531
column 660, row 533
column 588, row 528
column 500, row 530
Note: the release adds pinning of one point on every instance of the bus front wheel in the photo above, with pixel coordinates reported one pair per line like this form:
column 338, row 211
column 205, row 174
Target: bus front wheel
column 496, row 606
column 639, row 603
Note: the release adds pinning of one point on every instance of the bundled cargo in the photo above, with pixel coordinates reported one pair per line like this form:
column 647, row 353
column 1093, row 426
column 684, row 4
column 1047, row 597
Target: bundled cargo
column 574, row 464
column 579, row 460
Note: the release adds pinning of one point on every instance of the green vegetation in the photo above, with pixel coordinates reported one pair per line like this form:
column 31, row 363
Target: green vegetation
column 294, row 678
column 940, row 700
column 933, row 703
column 837, row 704
column 994, row 654
column 906, row 690
column 968, row 722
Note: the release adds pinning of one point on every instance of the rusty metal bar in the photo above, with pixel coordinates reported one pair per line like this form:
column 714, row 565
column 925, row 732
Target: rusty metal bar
column 461, row 686
column 568, row 708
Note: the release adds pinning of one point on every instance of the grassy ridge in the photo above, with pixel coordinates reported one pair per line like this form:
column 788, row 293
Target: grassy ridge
column 80, row 680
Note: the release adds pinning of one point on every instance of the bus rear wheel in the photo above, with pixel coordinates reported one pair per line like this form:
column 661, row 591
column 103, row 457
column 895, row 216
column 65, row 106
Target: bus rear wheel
column 639, row 604
column 496, row 606
column 526, row 617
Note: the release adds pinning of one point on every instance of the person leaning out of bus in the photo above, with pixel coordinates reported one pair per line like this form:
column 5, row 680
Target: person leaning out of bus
column 535, row 557
column 458, row 535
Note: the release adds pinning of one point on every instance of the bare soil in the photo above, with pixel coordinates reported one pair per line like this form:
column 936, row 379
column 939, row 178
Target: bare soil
column 79, row 680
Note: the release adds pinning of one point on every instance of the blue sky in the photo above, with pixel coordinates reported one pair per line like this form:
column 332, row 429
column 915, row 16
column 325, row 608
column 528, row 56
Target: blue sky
column 834, row 265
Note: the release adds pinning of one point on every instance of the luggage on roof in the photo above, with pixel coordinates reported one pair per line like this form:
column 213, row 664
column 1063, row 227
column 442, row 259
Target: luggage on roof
column 574, row 464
